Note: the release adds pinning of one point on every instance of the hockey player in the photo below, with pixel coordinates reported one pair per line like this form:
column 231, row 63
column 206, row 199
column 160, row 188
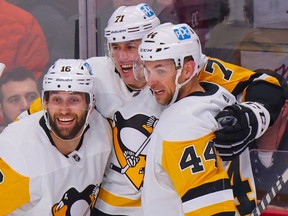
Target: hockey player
column 184, row 174
column 52, row 162
column 130, row 105
column 123, row 101
column 133, row 110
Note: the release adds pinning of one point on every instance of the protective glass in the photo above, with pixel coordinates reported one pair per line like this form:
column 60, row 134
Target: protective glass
column 55, row 100
column 139, row 71
column 163, row 69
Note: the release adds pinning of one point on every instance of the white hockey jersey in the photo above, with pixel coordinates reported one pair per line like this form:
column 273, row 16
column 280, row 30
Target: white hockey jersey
column 112, row 95
column 133, row 115
column 183, row 174
column 38, row 180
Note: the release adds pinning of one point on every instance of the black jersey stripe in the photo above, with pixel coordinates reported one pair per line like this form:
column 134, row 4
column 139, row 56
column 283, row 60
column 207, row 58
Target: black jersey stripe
column 205, row 189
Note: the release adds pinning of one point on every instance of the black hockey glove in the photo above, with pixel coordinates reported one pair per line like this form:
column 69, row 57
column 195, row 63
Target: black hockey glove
column 240, row 124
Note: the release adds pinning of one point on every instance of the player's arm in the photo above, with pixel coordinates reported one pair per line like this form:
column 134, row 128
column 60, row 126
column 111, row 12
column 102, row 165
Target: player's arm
column 252, row 87
column 246, row 85
column 198, row 177
column 251, row 123
column 269, row 94
column 14, row 189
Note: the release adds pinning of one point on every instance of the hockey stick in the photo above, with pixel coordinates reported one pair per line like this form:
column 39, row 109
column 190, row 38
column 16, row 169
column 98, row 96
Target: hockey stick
column 138, row 152
column 278, row 185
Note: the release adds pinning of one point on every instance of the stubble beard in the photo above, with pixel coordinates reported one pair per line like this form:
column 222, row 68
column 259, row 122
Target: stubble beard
column 68, row 133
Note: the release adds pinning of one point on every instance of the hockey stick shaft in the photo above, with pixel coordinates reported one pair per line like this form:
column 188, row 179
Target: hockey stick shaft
column 278, row 185
column 138, row 152
column 141, row 148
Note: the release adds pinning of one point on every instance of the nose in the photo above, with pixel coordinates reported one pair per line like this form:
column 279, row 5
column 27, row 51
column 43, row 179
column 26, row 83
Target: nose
column 24, row 105
column 65, row 107
column 122, row 55
column 151, row 79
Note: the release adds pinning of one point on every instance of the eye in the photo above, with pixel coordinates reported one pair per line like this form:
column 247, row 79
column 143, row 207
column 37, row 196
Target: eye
column 161, row 71
column 14, row 100
column 114, row 47
column 133, row 46
column 74, row 100
column 31, row 97
column 56, row 100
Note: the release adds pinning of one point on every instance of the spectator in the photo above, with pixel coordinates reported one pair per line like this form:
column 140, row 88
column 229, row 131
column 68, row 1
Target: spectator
column 22, row 42
column 18, row 89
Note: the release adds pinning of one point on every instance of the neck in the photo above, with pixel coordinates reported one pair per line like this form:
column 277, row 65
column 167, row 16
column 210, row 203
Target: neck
column 65, row 146
column 190, row 87
column 139, row 87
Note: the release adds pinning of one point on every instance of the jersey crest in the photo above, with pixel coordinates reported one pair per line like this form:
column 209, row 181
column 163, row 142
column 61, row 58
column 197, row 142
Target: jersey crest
column 87, row 198
column 126, row 150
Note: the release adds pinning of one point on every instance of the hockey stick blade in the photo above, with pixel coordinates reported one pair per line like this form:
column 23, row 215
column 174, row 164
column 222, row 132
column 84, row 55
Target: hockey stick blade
column 278, row 185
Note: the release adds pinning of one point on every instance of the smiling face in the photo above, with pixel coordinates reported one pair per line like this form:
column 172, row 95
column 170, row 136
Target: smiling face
column 67, row 113
column 123, row 55
column 161, row 76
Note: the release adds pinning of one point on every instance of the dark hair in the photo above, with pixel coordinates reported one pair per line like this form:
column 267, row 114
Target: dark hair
column 16, row 74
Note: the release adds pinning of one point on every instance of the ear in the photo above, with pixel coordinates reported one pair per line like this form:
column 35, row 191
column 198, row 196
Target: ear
column 44, row 104
column 189, row 68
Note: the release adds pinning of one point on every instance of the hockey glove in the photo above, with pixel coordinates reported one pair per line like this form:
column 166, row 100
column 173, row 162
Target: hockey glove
column 240, row 124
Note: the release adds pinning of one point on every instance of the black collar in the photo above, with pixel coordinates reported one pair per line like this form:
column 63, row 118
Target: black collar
column 47, row 131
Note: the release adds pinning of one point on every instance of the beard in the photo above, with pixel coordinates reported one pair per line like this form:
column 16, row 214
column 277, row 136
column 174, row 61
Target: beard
column 68, row 133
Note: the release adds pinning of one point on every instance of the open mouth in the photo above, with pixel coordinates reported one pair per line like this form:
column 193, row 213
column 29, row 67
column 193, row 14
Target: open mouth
column 65, row 120
column 158, row 91
column 126, row 68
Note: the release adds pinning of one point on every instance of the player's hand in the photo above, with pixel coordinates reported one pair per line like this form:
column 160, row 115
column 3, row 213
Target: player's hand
column 240, row 124
column 131, row 159
column 152, row 121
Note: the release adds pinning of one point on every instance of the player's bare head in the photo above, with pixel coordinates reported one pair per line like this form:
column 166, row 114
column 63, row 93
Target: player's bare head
column 68, row 95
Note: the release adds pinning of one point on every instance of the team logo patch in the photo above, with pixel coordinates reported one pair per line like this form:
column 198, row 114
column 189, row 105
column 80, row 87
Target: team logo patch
column 182, row 33
column 147, row 10
column 89, row 68
column 130, row 154
column 74, row 202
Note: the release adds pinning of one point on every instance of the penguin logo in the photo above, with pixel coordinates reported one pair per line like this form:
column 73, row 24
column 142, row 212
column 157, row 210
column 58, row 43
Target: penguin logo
column 130, row 150
column 74, row 203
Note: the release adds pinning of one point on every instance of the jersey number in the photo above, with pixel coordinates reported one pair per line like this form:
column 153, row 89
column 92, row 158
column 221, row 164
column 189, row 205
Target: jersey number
column 241, row 189
column 191, row 160
column 210, row 68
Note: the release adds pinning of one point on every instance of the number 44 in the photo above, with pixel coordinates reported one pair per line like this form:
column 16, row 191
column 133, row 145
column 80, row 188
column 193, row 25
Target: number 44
column 191, row 160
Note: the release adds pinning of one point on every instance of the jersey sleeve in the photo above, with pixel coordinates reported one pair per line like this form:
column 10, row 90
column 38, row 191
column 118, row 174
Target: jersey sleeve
column 249, row 84
column 14, row 189
column 197, row 175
